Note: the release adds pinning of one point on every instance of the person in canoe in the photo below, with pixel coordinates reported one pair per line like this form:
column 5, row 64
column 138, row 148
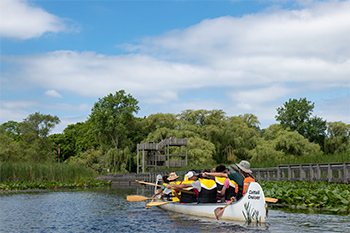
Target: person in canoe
column 192, row 184
column 160, row 191
column 172, row 194
column 242, row 178
column 228, row 189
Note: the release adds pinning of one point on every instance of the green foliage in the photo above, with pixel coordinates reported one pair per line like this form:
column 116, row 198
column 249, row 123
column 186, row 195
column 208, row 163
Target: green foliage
column 118, row 160
column 11, row 129
column 242, row 136
column 322, row 195
column 76, row 138
column 30, row 172
column 89, row 159
column 265, row 153
column 296, row 115
column 111, row 117
column 108, row 139
column 200, row 152
column 338, row 140
column 292, row 143
column 39, row 125
column 28, row 141
column 271, row 132
column 23, row 185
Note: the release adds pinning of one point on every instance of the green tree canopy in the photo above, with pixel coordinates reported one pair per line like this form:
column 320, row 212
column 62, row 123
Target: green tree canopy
column 296, row 115
column 111, row 116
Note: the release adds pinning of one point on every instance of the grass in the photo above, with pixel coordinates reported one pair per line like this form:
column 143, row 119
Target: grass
column 43, row 172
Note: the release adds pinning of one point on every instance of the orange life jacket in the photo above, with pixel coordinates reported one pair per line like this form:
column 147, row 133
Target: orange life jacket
column 247, row 179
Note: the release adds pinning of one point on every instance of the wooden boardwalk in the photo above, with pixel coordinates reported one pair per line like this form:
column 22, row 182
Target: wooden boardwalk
column 332, row 172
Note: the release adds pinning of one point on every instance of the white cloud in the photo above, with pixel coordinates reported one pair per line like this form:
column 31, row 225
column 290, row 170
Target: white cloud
column 19, row 19
column 53, row 93
column 261, row 58
column 259, row 95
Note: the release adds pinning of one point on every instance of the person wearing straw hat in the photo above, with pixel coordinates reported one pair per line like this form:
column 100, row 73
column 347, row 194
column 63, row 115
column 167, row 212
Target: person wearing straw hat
column 174, row 196
column 173, row 176
column 192, row 184
column 242, row 178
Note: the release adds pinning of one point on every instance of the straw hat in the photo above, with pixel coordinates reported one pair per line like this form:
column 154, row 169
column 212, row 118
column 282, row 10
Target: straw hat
column 173, row 176
column 244, row 166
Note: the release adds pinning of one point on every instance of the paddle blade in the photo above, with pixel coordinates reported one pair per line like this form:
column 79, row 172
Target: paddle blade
column 219, row 212
column 271, row 199
column 136, row 198
column 159, row 203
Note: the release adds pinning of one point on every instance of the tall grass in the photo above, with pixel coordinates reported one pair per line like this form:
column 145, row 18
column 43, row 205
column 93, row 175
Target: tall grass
column 28, row 171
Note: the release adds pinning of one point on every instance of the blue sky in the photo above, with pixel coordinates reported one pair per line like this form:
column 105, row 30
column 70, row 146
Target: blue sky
column 60, row 57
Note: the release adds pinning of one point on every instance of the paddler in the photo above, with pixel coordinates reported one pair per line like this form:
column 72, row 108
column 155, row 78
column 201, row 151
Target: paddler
column 192, row 184
column 242, row 178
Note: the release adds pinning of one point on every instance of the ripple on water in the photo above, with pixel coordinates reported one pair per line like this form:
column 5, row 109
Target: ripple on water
column 106, row 210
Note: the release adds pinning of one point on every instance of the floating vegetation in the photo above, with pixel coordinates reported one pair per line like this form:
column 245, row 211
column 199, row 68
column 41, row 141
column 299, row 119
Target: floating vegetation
column 25, row 185
column 23, row 176
column 322, row 195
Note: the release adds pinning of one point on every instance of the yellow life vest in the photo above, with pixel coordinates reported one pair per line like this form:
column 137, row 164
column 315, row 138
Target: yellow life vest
column 187, row 197
column 174, row 198
column 208, row 191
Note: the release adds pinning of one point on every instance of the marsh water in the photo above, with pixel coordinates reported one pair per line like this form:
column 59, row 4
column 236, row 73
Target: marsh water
column 106, row 210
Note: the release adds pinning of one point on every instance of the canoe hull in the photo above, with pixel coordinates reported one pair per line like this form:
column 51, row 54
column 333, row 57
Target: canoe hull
column 250, row 208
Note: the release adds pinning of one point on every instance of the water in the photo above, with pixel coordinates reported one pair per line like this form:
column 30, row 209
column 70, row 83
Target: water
column 106, row 210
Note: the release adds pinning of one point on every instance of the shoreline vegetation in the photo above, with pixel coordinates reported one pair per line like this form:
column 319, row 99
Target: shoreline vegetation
column 29, row 176
column 301, row 195
column 310, row 195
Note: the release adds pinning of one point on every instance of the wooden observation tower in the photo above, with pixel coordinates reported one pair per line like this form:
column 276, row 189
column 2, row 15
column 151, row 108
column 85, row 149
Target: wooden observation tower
column 151, row 156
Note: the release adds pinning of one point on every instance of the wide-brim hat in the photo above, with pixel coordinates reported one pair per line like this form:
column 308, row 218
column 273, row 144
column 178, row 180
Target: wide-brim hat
column 233, row 168
column 244, row 166
column 173, row 176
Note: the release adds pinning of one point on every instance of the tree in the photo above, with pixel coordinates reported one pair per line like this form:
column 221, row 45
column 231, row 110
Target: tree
column 111, row 116
column 75, row 139
column 296, row 115
column 316, row 130
column 338, row 140
column 39, row 124
column 11, row 128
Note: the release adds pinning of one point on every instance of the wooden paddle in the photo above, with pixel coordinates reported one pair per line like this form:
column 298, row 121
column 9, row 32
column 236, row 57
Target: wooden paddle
column 158, row 203
column 271, row 199
column 182, row 190
column 138, row 198
column 220, row 210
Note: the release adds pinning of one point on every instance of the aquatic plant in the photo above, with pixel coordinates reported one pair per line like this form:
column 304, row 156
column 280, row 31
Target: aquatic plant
column 320, row 195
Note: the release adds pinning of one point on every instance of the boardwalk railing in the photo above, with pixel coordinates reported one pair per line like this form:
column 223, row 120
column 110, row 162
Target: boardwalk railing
column 332, row 172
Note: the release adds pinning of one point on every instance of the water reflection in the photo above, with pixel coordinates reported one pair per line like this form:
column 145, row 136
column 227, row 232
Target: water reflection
column 106, row 210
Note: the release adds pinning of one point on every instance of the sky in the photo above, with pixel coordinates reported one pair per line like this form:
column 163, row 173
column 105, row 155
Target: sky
column 59, row 57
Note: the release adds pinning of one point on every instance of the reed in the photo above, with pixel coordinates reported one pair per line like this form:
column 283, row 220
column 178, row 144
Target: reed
column 31, row 172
